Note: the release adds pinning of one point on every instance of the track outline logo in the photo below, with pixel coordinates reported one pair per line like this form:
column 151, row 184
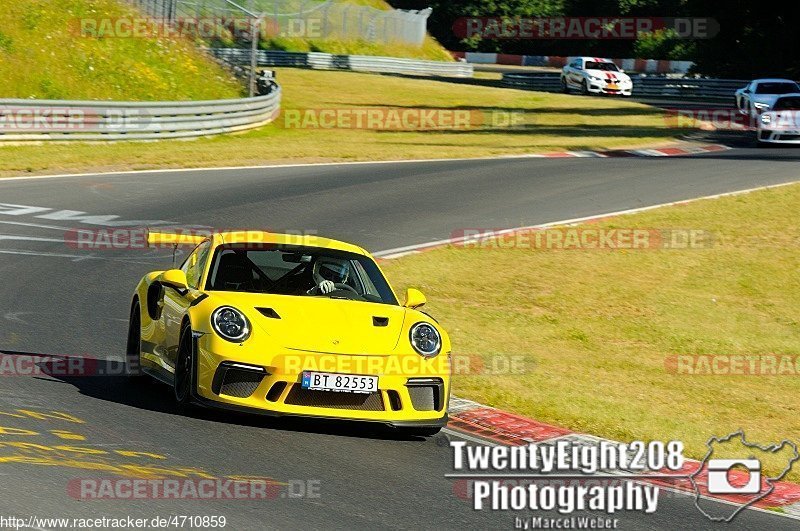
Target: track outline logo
column 773, row 448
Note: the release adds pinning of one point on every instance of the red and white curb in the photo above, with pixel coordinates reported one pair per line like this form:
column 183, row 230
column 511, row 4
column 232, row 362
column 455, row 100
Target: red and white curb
column 669, row 151
column 480, row 423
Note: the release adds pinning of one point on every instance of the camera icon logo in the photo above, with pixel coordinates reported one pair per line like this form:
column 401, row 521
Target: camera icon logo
column 719, row 476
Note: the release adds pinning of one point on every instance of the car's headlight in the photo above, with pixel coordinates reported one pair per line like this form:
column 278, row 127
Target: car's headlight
column 230, row 324
column 761, row 106
column 425, row 339
column 766, row 119
column 594, row 78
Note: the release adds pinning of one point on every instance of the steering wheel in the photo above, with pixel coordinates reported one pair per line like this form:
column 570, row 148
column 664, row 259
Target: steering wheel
column 339, row 285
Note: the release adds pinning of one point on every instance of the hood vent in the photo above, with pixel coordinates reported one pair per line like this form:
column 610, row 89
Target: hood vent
column 268, row 312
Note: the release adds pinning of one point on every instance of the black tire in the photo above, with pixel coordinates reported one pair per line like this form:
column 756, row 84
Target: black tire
column 564, row 86
column 133, row 362
column 584, row 88
column 185, row 378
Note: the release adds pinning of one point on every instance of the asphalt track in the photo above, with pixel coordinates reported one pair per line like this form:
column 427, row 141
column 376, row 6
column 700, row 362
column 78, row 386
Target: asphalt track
column 57, row 300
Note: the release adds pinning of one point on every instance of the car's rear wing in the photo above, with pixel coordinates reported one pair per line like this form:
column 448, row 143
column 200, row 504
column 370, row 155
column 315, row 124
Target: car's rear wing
column 166, row 238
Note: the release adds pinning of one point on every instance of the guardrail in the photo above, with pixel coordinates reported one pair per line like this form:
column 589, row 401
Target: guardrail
column 358, row 63
column 679, row 88
column 39, row 120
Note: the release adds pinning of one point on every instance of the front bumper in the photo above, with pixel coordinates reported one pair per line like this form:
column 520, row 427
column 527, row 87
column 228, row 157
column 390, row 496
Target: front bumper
column 611, row 89
column 234, row 377
column 779, row 136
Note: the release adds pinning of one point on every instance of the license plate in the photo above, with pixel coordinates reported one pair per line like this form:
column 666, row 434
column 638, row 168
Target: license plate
column 612, row 86
column 340, row 383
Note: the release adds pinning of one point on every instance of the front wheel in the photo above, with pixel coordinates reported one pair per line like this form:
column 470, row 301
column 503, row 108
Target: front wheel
column 185, row 377
column 584, row 88
column 564, row 87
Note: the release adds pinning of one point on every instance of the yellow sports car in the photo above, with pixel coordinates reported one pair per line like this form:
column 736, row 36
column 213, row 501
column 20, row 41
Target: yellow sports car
column 289, row 325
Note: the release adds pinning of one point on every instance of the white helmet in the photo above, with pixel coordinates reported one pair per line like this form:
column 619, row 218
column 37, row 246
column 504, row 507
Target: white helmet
column 334, row 269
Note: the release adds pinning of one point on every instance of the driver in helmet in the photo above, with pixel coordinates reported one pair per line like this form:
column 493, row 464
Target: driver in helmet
column 327, row 273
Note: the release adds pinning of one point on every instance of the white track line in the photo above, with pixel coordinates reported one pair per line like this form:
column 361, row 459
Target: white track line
column 398, row 252
column 574, row 154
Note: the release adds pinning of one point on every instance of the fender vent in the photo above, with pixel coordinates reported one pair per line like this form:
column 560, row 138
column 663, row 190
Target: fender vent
column 380, row 321
column 268, row 312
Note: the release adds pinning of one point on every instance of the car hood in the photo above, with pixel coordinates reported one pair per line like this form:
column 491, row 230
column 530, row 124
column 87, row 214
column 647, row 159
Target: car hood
column 609, row 76
column 318, row 324
column 769, row 99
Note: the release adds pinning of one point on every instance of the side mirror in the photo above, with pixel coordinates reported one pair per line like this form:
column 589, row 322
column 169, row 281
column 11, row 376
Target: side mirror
column 622, row 70
column 414, row 298
column 174, row 278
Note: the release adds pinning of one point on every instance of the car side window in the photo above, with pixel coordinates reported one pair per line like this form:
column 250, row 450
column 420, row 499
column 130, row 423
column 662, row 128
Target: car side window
column 196, row 264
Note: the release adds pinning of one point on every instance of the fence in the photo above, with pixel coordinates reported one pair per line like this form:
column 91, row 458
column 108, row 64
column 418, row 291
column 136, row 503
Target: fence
column 647, row 66
column 683, row 88
column 314, row 19
column 359, row 63
column 37, row 120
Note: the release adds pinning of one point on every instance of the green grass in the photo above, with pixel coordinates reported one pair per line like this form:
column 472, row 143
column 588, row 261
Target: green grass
column 551, row 122
column 42, row 56
column 596, row 328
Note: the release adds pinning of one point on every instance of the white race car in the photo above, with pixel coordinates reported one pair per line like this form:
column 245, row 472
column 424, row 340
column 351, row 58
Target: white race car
column 760, row 95
column 781, row 124
column 594, row 75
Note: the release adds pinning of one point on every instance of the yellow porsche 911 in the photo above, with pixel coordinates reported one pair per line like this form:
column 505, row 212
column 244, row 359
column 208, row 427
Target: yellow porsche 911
column 289, row 325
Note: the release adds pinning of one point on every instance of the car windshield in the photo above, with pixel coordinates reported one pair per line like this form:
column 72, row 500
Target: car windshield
column 787, row 104
column 595, row 65
column 776, row 88
column 298, row 271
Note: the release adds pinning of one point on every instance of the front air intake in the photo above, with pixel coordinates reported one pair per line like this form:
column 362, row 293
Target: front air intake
column 237, row 380
column 427, row 394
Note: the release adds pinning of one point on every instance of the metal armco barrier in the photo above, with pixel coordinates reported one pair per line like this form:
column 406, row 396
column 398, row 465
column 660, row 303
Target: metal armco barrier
column 43, row 120
column 358, row 63
column 682, row 88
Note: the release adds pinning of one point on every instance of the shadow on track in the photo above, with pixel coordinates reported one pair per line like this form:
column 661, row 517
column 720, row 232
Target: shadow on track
column 105, row 380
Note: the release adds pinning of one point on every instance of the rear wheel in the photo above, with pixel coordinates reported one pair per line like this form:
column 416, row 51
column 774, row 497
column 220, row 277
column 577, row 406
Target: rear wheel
column 184, row 369
column 133, row 362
